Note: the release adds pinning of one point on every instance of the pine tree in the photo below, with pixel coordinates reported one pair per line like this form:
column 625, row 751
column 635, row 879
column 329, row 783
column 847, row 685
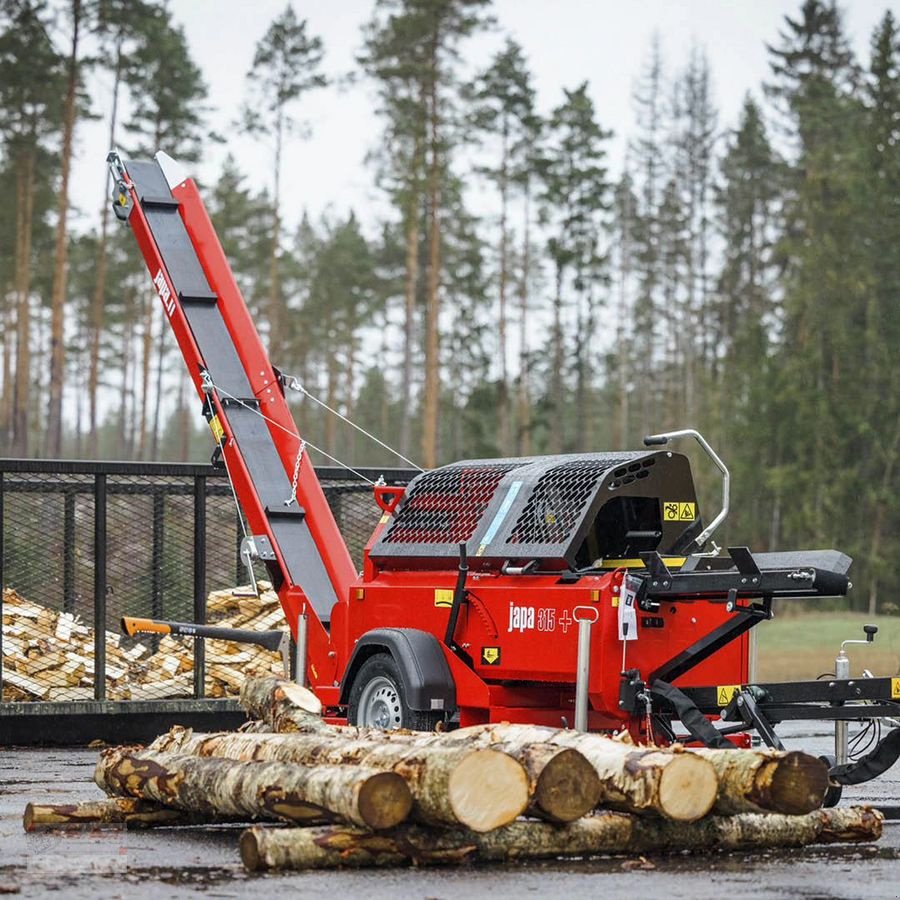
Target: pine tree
column 504, row 111
column 31, row 84
column 286, row 65
column 125, row 28
column 744, row 319
column 575, row 201
column 882, row 324
column 814, row 79
column 168, row 90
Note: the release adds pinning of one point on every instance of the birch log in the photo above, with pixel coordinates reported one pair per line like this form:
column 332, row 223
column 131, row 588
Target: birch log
column 110, row 811
column 768, row 781
column 670, row 782
column 330, row 847
column 479, row 788
column 272, row 790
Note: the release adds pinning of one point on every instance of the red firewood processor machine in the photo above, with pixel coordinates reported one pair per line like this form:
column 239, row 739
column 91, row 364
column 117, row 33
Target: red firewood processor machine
column 572, row 590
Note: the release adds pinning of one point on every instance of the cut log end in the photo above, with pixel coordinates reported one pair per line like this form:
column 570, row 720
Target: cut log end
column 688, row 788
column 384, row 800
column 568, row 787
column 798, row 784
column 488, row 789
column 250, row 851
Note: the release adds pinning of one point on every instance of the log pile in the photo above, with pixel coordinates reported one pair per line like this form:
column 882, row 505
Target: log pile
column 348, row 796
column 49, row 655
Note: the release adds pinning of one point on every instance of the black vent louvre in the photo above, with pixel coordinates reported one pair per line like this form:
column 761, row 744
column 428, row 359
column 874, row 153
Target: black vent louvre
column 446, row 505
column 557, row 502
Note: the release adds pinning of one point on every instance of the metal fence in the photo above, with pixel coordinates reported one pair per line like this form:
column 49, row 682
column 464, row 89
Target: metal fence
column 82, row 544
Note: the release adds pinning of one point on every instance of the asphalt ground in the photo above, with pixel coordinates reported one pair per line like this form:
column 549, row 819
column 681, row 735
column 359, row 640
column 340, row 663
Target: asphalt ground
column 181, row 862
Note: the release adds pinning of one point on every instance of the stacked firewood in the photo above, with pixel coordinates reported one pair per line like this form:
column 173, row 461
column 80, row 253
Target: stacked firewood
column 49, row 655
column 352, row 796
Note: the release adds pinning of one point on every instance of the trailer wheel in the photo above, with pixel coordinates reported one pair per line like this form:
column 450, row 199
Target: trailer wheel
column 377, row 698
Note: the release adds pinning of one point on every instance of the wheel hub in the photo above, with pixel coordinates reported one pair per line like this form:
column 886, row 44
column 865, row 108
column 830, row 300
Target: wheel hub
column 379, row 705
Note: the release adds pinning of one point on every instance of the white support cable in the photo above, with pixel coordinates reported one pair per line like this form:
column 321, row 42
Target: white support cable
column 295, row 384
column 292, row 434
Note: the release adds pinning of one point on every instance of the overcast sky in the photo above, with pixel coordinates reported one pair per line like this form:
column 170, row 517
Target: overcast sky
column 566, row 42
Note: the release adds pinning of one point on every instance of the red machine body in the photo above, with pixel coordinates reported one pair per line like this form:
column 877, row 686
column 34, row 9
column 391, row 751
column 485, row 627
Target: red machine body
column 549, row 540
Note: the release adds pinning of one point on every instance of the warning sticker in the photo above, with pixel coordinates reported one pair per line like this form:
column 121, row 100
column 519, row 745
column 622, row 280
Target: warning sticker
column 215, row 426
column 895, row 689
column 725, row 693
column 443, row 597
column 490, row 656
column 679, row 511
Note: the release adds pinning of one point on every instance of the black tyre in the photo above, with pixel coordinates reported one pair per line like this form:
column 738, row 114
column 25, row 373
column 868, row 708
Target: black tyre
column 378, row 700
column 835, row 790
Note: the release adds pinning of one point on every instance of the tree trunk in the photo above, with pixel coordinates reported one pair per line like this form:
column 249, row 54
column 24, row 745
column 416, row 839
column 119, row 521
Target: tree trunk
column 362, row 796
column 22, row 389
column 524, row 418
column 557, row 424
column 333, row 847
column 61, row 253
column 97, row 301
column 767, row 781
column 410, row 286
column 146, row 358
column 276, row 338
column 479, row 788
column 503, row 418
column 432, row 393
column 117, row 811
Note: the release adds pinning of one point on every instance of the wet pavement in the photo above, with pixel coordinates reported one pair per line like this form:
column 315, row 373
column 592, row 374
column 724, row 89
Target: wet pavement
column 181, row 862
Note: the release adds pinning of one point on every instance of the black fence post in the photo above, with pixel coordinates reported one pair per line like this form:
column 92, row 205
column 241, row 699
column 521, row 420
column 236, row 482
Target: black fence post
column 100, row 587
column 2, row 577
column 156, row 561
column 199, row 582
column 69, row 552
column 239, row 571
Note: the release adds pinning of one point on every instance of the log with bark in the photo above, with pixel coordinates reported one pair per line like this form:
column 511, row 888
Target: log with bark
column 768, row 781
column 606, row 833
column 111, row 811
column 480, row 788
column 356, row 794
column 670, row 783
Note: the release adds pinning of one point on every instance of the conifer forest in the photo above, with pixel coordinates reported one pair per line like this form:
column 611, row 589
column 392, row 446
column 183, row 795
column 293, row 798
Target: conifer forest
column 740, row 277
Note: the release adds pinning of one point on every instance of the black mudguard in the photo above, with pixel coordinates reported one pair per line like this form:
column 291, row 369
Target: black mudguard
column 427, row 682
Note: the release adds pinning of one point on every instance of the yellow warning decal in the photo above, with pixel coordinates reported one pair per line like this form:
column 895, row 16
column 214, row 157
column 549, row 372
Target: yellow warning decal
column 895, row 689
column 490, row 656
column 443, row 597
column 216, row 428
column 384, row 519
column 670, row 561
column 615, row 600
column 678, row 511
column 725, row 693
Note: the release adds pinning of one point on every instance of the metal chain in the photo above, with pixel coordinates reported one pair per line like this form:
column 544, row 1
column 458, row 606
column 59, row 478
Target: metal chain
column 296, row 478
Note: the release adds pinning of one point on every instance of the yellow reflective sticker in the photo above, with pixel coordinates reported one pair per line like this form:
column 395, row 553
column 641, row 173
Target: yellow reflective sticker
column 895, row 689
column 678, row 511
column 384, row 519
column 725, row 693
column 216, row 428
column 443, row 597
column 615, row 600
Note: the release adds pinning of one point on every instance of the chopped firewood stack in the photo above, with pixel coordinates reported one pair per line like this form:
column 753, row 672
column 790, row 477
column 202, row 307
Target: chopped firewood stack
column 49, row 655
column 319, row 795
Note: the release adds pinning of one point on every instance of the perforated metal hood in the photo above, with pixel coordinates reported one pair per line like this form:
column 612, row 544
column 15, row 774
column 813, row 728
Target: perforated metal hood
column 548, row 508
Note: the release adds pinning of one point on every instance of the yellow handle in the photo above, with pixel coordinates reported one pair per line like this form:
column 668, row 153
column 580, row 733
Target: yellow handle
column 132, row 626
